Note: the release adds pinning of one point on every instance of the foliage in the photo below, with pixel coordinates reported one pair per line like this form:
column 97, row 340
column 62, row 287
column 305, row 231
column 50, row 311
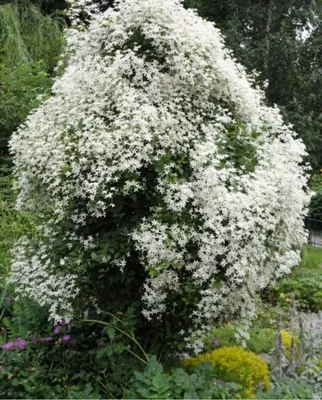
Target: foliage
column 316, row 206
column 39, row 360
column 155, row 383
column 234, row 364
column 297, row 354
column 311, row 259
column 307, row 289
column 30, row 44
column 12, row 224
column 21, row 43
column 20, row 378
column 290, row 388
column 261, row 340
column 147, row 185
column 316, row 201
column 21, row 88
column 304, row 283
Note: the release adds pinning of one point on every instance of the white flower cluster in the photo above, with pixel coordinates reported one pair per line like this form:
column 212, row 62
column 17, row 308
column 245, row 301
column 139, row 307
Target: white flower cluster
column 150, row 83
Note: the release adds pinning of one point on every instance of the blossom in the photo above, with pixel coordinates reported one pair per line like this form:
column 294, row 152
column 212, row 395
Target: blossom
column 9, row 346
column 48, row 339
column 215, row 342
column 57, row 329
column 21, row 343
column 65, row 338
column 237, row 197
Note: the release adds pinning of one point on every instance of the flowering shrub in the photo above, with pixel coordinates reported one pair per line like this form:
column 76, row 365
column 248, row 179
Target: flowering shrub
column 155, row 160
column 234, row 364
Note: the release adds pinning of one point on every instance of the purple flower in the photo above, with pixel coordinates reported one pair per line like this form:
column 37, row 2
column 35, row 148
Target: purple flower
column 48, row 339
column 215, row 342
column 34, row 340
column 57, row 330
column 9, row 346
column 21, row 343
column 65, row 338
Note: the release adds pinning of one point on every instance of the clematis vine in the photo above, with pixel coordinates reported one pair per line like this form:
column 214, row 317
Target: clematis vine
column 149, row 90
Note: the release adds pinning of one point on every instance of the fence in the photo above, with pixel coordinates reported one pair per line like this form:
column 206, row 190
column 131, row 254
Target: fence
column 314, row 226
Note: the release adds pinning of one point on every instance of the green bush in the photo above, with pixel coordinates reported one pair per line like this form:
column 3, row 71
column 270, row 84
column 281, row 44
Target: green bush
column 307, row 289
column 155, row 383
column 261, row 340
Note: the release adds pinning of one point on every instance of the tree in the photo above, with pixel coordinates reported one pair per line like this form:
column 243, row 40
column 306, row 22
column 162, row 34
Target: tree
column 30, row 44
column 162, row 179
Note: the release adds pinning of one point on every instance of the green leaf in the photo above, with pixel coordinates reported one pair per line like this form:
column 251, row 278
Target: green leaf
column 110, row 332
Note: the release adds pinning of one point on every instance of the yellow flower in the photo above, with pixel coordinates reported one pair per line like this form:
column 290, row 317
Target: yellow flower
column 234, row 364
column 287, row 341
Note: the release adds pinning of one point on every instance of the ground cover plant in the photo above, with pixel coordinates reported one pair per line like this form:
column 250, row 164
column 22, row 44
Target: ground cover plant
column 156, row 197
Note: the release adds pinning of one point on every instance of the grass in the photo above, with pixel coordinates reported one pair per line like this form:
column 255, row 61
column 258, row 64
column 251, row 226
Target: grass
column 311, row 259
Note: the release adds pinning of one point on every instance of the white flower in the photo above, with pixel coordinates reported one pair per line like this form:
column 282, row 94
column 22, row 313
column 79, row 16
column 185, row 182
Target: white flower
column 227, row 169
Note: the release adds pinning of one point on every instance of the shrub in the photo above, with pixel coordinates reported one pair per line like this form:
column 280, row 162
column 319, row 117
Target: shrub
column 161, row 177
column 234, row 364
column 155, row 383
column 307, row 289
column 41, row 362
column 261, row 340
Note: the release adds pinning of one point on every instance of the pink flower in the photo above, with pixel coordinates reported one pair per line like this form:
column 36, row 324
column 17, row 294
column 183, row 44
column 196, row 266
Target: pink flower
column 9, row 346
column 21, row 343
column 216, row 342
column 48, row 339
column 65, row 338
column 57, row 330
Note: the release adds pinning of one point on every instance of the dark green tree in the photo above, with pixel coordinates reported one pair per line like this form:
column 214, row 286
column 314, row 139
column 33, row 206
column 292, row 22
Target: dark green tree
column 30, row 44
